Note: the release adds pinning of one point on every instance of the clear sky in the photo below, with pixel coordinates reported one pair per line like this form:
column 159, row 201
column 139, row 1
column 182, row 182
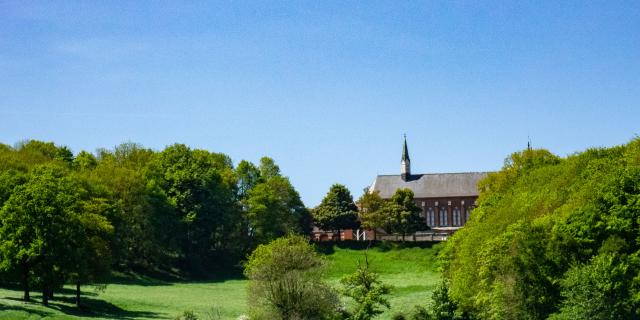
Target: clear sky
column 325, row 88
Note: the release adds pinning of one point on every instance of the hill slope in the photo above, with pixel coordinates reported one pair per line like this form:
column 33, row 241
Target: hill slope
column 410, row 270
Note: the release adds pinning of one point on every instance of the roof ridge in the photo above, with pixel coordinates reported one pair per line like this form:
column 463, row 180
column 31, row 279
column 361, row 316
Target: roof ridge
column 435, row 173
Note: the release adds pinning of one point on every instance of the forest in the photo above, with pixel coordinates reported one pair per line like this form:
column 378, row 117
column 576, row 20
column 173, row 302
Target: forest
column 179, row 212
column 552, row 238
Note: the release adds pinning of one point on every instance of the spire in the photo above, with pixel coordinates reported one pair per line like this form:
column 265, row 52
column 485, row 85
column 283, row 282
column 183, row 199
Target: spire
column 405, row 162
column 528, row 143
column 405, row 150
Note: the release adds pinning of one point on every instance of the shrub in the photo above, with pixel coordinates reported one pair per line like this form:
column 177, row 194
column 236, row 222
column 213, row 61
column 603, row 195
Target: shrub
column 284, row 281
column 399, row 316
column 420, row 313
column 187, row 315
column 364, row 287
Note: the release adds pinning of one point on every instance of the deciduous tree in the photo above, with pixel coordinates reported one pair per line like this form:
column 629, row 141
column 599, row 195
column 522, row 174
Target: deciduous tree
column 337, row 210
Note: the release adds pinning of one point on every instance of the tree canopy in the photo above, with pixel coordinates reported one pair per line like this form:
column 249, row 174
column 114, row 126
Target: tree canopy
column 72, row 218
column 337, row 210
column 552, row 236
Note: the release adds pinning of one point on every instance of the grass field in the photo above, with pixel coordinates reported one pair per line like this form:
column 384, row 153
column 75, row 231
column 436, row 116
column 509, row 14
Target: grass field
column 411, row 271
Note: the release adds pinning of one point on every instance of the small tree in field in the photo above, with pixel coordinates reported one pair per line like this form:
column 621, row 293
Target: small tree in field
column 364, row 287
column 285, row 281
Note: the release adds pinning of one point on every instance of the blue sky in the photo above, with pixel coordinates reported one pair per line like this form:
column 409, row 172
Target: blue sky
column 325, row 88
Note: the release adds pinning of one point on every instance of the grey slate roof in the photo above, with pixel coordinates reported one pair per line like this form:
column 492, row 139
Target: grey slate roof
column 433, row 185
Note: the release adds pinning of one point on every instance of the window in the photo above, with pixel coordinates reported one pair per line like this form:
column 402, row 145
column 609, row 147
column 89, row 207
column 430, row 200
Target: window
column 466, row 218
column 431, row 217
column 456, row 217
column 443, row 217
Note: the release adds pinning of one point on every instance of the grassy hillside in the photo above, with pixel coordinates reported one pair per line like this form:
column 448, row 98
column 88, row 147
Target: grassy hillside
column 410, row 270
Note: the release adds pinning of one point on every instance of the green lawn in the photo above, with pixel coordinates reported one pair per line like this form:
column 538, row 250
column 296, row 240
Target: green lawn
column 410, row 270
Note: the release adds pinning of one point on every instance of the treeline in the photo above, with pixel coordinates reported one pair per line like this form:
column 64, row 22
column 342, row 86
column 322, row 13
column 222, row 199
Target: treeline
column 72, row 218
column 552, row 238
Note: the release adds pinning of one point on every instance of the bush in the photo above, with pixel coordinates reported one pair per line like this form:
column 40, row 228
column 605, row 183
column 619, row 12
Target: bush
column 399, row 316
column 284, row 282
column 187, row 315
column 420, row 313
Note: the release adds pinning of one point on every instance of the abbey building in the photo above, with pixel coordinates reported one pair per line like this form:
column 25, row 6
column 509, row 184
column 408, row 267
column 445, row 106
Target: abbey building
column 446, row 199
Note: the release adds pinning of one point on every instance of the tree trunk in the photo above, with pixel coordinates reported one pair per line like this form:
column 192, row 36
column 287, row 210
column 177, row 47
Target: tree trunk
column 51, row 294
column 45, row 295
column 25, row 283
column 77, row 294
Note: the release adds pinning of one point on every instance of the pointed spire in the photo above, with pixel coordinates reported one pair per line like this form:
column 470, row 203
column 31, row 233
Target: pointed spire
column 405, row 150
column 528, row 143
column 405, row 162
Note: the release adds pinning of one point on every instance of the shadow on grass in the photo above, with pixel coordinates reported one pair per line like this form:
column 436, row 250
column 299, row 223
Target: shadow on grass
column 136, row 279
column 384, row 246
column 24, row 308
column 99, row 308
column 89, row 307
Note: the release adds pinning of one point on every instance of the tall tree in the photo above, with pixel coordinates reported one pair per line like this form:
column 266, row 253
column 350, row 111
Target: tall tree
column 200, row 186
column 337, row 210
column 42, row 228
column 92, row 256
column 141, row 216
column 248, row 176
column 274, row 209
column 268, row 168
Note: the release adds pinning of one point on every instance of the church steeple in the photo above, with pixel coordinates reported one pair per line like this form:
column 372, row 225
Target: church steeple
column 405, row 162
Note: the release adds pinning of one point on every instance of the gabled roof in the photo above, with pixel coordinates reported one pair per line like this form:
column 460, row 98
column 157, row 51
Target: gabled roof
column 432, row 185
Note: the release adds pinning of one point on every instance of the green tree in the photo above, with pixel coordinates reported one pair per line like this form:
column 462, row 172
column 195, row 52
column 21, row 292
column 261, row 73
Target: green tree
column 268, row 168
column 85, row 161
column 285, row 281
column 41, row 229
column 368, row 292
column 402, row 214
column 443, row 308
column 554, row 236
column 200, row 186
column 142, row 218
column 337, row 210
column 273, row 209
column 248, row 176
column 371, row 213
column 599, row 289
column 92, row 252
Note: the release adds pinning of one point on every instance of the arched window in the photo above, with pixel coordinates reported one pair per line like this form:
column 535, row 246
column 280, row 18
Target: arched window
column 456, row 217
column 443, row 217
column 431, row 217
